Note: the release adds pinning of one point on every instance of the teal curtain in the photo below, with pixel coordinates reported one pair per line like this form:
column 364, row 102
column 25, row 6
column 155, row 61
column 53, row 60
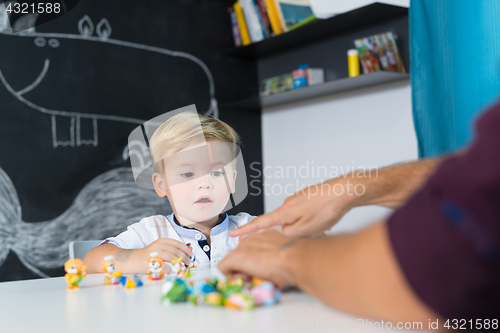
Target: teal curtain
column 455, row 69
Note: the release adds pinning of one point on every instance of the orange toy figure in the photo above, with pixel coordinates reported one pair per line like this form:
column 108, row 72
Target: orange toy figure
column 155, row 264
column 108, row 266
column 75, row 272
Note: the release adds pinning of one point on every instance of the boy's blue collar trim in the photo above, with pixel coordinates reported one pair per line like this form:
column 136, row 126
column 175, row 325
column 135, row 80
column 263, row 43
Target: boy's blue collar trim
column 186, row 227
column 185, row 231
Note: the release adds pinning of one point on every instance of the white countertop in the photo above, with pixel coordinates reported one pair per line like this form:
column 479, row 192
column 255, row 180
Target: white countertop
column 45, row 305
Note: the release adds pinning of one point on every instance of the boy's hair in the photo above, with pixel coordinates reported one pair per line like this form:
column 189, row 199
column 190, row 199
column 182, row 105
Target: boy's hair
column 183, row 130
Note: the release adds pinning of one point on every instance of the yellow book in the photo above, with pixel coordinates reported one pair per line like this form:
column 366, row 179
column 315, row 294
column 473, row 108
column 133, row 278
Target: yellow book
column 273, row 17
column 245, row 37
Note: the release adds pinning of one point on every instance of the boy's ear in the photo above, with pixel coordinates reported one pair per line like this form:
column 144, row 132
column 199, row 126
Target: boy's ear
column 159, row 184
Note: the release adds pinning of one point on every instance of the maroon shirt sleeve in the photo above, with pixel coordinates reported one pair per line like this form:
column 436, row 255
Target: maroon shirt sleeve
column 447, row 237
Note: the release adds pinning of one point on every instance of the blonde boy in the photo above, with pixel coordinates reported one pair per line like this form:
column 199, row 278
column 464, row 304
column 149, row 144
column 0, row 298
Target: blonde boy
column 195, row 168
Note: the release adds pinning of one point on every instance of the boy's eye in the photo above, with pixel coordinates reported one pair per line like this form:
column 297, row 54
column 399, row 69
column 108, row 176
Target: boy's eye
column 187, row 174
column 217, row 173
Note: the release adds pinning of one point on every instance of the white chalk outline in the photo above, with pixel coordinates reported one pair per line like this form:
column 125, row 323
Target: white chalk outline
column 81, row 27
column 38, row 79
column 130, row 45
column 213, row 109
column 106, row 33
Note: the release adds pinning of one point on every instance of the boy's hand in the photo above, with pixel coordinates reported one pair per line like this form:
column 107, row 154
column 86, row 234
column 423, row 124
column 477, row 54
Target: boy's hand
column 167, row 249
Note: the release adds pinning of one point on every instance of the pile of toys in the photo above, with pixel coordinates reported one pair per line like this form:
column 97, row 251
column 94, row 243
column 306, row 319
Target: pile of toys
column 234, row 293
column 181, row 287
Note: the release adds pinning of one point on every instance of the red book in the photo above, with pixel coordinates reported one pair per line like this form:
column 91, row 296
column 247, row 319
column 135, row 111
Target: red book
column 265, row 19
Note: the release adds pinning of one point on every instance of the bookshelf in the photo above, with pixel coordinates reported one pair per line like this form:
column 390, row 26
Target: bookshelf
column 327, row 88
column 355, row 19
column 322, row 44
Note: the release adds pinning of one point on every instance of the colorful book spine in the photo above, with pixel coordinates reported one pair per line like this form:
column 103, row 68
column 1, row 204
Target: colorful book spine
column 242, row 25
column 300, row 78
column 265, row 33
column 252, row 19
column 234, row 27
column 264, row 17
column 280, row 15
column 273, row 17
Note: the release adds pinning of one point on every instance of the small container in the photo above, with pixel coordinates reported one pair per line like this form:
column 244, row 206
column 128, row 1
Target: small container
column 300, row 77
column 353, row 62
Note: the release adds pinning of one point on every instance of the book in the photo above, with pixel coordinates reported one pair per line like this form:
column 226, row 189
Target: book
column 252, row 19
column 264, row 17
column 305, row 76
column 234, row 27
column 280, row 16
column 380, row 53
column 293, row 11
column 315, row 76
column 300, row 77
column 265, row 32
column 242, row 25
column 273, row 16
column 276, row 85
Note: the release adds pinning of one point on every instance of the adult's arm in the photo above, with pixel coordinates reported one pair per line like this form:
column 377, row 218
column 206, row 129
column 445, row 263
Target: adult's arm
column 445, row 242
column 357, row 273
column 319, row 207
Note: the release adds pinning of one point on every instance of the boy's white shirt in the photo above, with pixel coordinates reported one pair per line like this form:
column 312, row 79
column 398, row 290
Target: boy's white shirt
column 149, row 229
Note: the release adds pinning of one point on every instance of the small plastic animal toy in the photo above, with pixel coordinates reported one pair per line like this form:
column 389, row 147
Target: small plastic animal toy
column 155, row 264
column 132, row 281
column 264, row 292
column 175, row 291
column 75, row 272
column 180, row 268
column 108, row 266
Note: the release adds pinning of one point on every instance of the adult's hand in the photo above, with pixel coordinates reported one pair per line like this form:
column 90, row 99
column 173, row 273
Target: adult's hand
column 319, row 207
column 307, row 212
column 260, row 255
column 357, row 273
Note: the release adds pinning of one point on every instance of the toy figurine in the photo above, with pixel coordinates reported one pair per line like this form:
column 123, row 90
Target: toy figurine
column 240, row 301
column 264, row 292
column 108, row 266
column 214, row 298
column 155, row 263
column 132, row 281
column 175, row 291
column 180, row 268
column 75, row 272
column 193, row 257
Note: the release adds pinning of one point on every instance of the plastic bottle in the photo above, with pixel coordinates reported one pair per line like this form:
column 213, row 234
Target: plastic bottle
column 353, row 62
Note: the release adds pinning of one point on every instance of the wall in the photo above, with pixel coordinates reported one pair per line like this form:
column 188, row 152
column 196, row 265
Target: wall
column 327, row 8
column 69, row 101
column 371, row 127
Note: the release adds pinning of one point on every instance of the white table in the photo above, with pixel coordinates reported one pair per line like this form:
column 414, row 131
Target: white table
column 45, row 305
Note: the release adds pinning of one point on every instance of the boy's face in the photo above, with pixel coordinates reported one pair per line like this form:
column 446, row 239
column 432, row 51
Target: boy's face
column 198, row 180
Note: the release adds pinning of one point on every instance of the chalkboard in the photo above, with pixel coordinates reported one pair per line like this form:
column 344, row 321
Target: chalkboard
column 71, row 92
